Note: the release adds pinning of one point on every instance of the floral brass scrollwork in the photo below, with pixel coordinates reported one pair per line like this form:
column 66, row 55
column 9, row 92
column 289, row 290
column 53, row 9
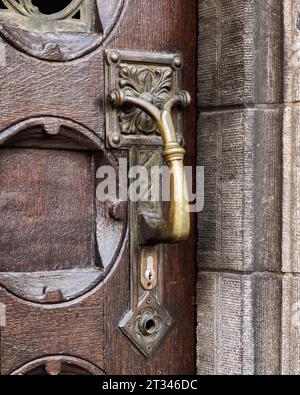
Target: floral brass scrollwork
column 143, row 116
column 152, row 85
column 153, row 229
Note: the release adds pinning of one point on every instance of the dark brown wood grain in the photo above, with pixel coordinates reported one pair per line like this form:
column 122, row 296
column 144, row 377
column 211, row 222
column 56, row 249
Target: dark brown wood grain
column 33, row 331
column 42, row 227
column 50, row 220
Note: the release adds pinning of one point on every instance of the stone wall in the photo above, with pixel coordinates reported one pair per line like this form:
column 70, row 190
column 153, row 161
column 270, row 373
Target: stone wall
column 249, row 143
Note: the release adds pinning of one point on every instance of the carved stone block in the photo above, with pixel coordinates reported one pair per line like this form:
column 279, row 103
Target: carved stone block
column 291, row 11
column 291, row 191
column 291, row 325
column 240, row 52
column 239, row 324
column 240, row 227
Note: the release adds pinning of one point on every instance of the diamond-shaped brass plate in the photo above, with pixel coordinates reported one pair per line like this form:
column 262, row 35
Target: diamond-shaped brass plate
column 147, row 326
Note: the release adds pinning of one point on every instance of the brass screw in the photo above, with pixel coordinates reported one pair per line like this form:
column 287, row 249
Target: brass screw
column 148, row 300
column 115, row 57
column 178, row 62
column 112, row 97
column 116, row 139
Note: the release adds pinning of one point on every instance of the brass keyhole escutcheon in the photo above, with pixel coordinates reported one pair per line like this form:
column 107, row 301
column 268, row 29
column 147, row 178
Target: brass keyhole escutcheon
column 144, row 104
column 149, row 268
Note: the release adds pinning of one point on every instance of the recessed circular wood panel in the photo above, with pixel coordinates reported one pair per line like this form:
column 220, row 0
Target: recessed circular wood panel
column 58, row 241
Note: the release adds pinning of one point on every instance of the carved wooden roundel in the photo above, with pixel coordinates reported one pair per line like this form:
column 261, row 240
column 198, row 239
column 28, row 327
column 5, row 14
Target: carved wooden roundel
column 60, row 365
column 55, row 246
column 65, row 31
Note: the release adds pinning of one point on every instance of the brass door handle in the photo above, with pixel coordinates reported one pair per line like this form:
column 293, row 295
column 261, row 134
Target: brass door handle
column 153, row 228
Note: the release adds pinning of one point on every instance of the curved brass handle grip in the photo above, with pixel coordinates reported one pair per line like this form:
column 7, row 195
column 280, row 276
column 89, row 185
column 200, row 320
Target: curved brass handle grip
column 153, row 229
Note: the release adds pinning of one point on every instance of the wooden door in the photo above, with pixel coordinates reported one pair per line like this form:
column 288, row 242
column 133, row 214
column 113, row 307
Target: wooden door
column 71, row 294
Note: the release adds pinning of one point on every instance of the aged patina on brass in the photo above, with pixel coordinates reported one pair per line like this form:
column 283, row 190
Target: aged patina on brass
column 177, row 227
column 143, row 116
column 147, row 325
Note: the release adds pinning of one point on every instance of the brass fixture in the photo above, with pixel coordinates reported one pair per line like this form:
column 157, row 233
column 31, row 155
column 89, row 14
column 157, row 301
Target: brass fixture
column 143, row 102
column 155, row 230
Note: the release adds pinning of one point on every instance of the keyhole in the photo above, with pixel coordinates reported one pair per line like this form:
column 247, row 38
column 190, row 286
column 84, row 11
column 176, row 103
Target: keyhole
column 149, row 268
column 150, row 273
column 150, row 326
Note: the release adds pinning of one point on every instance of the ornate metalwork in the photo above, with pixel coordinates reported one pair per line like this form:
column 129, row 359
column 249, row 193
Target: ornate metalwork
column 147, row 325
column 142, row 115
column 154, row 229
column 28, row 16
column 154, row 86
column 151, row 77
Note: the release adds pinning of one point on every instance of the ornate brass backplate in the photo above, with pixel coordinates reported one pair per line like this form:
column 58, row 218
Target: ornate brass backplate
column 153, row 77
column 142, row 90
